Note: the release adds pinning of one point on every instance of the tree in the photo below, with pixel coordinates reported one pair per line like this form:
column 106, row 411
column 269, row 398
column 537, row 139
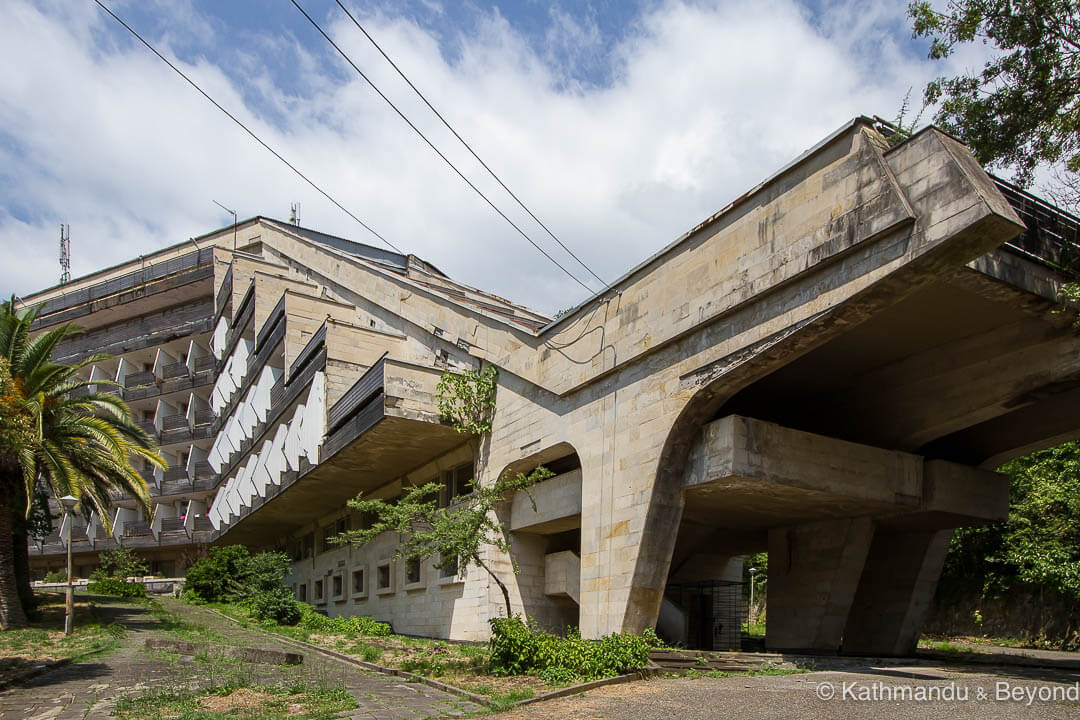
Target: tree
column 1020, row 110
column 81, row 441
column 456, row 534
column 1037, row 549
column 16, row 433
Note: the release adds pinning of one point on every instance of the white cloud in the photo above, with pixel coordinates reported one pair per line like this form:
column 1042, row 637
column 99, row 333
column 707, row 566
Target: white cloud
column 705, row 102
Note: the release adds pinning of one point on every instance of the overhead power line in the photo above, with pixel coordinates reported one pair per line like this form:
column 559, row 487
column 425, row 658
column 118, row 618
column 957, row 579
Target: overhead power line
column 465, row 143
column 435, row 149
column 246, row 129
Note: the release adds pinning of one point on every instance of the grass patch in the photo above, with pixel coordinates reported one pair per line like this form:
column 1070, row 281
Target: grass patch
column 44, row 639
column 463, row 665
column 182, row 629
column 950, row 648
column 227, row 702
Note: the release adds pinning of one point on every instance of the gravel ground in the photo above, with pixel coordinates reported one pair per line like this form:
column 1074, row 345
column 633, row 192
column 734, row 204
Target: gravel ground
column 801, row 696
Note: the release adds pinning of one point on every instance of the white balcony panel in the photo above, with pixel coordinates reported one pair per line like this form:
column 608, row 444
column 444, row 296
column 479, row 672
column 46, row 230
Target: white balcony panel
column 217, row 342
column 292, row 439
column 276, row 463
column 313, row 421
column 240, row 356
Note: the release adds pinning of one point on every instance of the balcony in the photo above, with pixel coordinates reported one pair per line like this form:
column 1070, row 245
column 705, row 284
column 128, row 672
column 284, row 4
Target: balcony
column 385, row 425
column 172, row 524
column 175, row 370
column 183, row 269
column 137, row 529
column 141, row 332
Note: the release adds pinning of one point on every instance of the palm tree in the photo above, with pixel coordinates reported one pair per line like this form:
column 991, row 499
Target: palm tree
column 82, row 441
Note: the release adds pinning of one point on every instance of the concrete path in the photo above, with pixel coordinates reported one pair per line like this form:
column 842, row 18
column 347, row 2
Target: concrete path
column 89, row 690
column 870, row 694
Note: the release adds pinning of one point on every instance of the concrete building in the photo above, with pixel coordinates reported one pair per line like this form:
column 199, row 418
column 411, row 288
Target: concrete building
column 829, row 368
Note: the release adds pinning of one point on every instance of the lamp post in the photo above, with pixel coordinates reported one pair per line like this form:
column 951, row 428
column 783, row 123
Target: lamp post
column 69, row 503
column 750, row 615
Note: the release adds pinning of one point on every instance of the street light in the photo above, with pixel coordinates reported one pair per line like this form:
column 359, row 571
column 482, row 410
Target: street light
column 750, row 616
column 69, row 504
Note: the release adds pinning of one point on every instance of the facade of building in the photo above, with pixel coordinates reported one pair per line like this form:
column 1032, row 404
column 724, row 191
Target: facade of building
column 828, row 369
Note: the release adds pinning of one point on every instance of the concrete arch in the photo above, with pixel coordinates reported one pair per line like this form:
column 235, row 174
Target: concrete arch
column 545, row 538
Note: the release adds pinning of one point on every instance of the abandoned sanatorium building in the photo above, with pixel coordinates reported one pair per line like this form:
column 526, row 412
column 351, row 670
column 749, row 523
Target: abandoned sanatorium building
column 829, row 368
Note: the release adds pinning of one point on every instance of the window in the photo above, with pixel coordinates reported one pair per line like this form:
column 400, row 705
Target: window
column 412, row 572
column 342, row 525
column 308, row 545
column 384, row 578
column 456, row 483
column 337, row 584
column 449, row 571
column 301, row 595
column 320, row 596
column 359, row 583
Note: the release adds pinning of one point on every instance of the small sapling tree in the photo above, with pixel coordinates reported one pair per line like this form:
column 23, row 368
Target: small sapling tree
column 454, row 535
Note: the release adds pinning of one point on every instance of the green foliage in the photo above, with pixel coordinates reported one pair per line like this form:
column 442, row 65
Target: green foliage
column 1020, row 110
column 275, row 604
column 232, row 574
column 286, row 701
column 314, row 621
column 1038, row 548
column 221, row 575
column 119, row 564
column 56, row 576
column 116, row 588
column 455, row 534
column 467, row 400
column 519, row 647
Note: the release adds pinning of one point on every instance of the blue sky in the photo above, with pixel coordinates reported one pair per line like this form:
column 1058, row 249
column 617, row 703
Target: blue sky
column 621, row 124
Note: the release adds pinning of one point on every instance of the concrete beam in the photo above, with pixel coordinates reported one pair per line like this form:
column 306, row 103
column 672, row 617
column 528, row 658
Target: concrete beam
column 548, row 507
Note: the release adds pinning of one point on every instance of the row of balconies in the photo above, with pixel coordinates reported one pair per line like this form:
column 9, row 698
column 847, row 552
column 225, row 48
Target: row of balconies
column 169, row 526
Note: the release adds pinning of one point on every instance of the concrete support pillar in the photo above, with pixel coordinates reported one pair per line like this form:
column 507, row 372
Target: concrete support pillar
column 895, row 591
column 814, row 571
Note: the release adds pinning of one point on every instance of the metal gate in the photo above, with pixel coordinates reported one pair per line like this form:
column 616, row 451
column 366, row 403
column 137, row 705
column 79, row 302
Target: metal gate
column 715, row 611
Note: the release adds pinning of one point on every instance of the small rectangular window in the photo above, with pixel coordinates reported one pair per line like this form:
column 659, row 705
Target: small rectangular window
column 301, row 595
column 384, row 578
column 449, row 568
column 338, row 586
column 319, row 588
column 412, row 572
column 359, row 583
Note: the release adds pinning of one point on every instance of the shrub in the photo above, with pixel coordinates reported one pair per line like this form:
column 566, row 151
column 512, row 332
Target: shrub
column 276, row 604
column 56, row 576
column 117, row 588
column 314, row 621
column 519, row 647
column 219, row 577
column 119, row 564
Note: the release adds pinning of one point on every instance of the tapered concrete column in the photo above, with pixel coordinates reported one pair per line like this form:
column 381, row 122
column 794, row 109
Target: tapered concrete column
column 895, row 591
column 814, row 570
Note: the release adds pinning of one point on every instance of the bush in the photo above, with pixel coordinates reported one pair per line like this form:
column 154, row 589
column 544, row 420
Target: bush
column 221, row 576
column 56, row 576
column 519, row 647
column 118, row 564
column 117, row 588
column 314, row 621
column 277, row 605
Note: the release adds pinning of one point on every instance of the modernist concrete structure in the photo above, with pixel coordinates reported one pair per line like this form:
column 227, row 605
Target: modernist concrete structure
column 829, row 368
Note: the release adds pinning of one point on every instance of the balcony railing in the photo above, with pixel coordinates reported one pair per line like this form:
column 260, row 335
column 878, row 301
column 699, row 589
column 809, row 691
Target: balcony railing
column 137, row 529
column 174, row 370
column 142, row 276
column 134, row 380
column 172, row 524
column 173, row 422
column 1052, row 235
column 203, row 524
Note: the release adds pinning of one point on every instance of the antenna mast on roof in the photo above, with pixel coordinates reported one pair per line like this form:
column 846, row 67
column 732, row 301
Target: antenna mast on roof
column 233, row 213
column 294, row 213
column 65, row 253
